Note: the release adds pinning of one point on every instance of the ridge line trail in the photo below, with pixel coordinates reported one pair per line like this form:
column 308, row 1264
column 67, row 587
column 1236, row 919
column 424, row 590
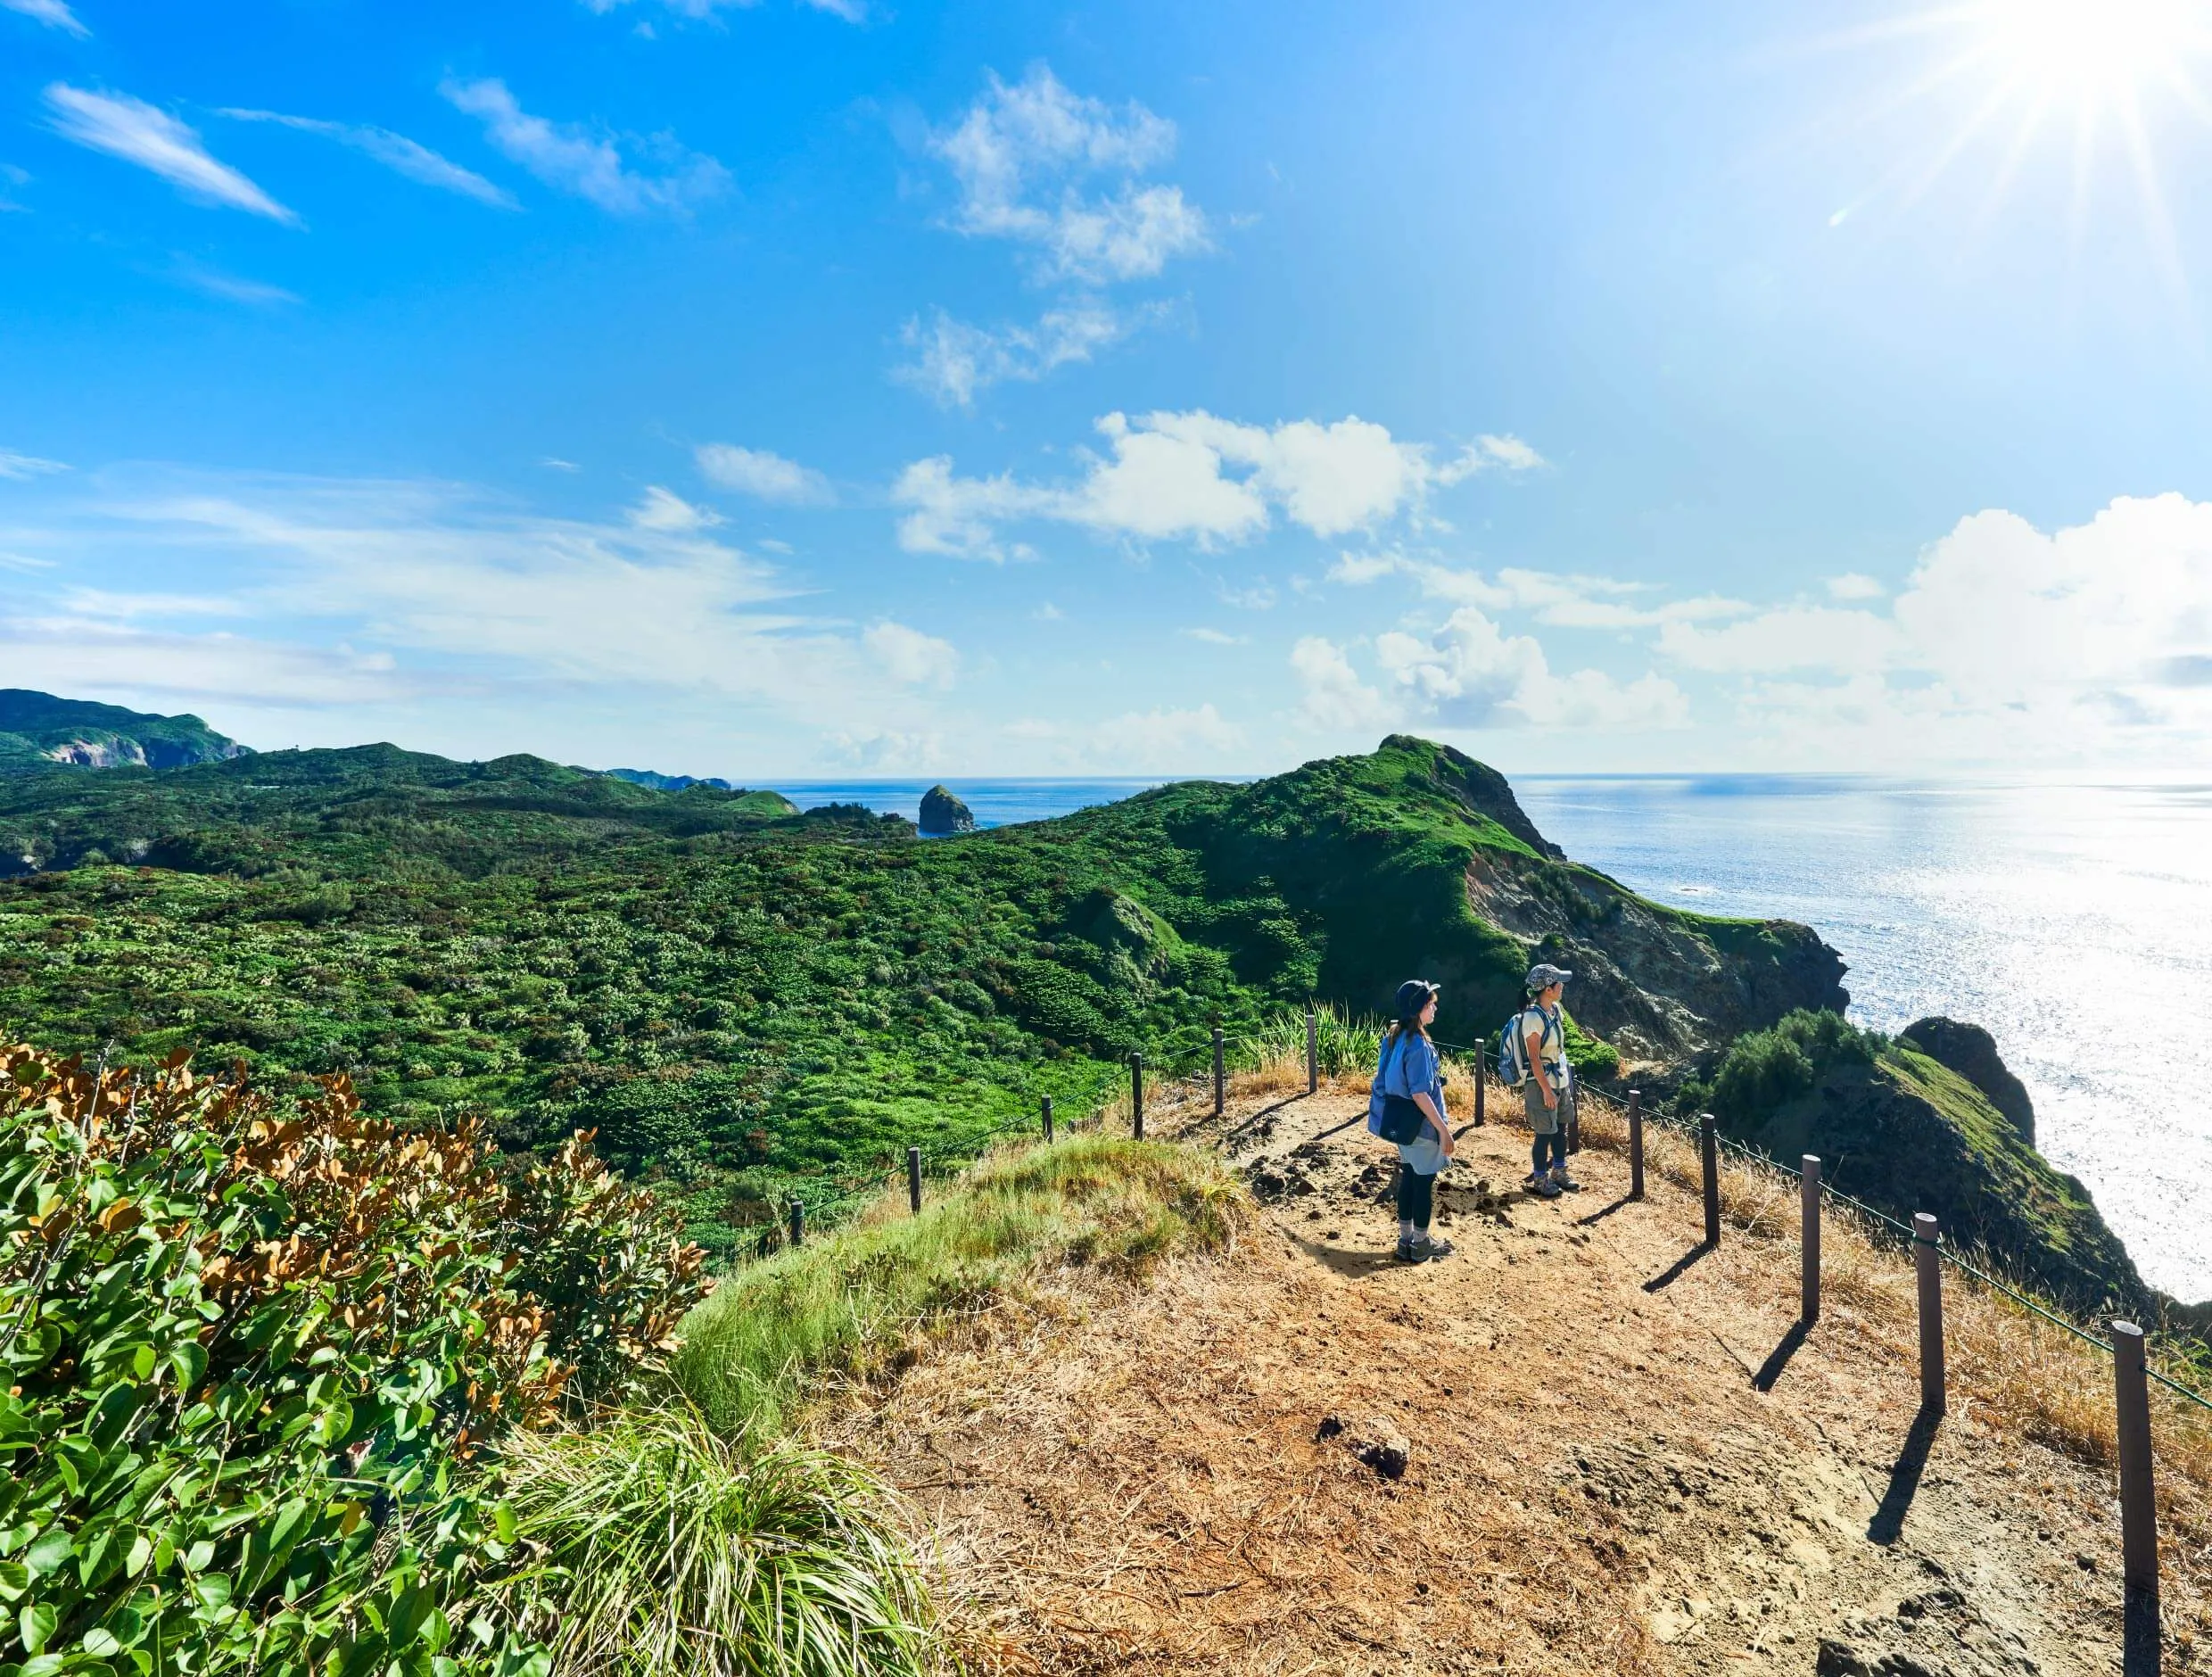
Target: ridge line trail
column 1134, row 1480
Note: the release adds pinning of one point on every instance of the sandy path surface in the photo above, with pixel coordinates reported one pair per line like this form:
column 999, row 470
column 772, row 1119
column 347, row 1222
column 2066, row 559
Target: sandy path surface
column 1616, row 1455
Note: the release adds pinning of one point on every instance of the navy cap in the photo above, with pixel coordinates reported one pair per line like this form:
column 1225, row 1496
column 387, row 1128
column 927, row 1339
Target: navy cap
column 1413, row 994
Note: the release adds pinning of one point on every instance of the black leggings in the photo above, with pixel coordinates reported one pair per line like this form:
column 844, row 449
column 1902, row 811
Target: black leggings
column 1417, row 1197
column 1555, row 1144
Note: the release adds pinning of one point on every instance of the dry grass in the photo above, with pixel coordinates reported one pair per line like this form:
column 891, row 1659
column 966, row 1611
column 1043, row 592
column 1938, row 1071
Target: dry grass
column 2028, row 1375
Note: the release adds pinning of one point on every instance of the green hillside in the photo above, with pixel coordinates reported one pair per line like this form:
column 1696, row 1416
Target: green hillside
column 39, row 730
column 758, row 1004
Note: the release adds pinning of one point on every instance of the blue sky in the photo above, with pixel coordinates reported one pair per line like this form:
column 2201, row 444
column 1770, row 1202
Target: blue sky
column 841, row 387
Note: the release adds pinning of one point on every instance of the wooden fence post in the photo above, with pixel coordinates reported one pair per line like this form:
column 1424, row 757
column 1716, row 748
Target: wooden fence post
column 1221, row 1081
column 1045, row 1104
column 1636, row 1143
column 1709, row 1156
column 913, row 1179
column 2139, row 1510
column 1929, row 1260
column 1137, row 1097
column 1574, row 1114
column 1313, row 1050
column 798, row 1222
column 1809, row 1239
column 1482, row 1083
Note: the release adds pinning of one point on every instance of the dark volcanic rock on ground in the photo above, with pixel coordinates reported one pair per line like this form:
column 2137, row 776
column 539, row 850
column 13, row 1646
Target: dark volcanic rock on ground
column 1971, row 1051
column 943, row 812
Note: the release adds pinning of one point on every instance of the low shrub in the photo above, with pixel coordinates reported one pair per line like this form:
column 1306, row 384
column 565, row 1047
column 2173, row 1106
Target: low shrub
column 847, row 1307
column 250, row 1352
column 1765, row 1070
column 667, row 1549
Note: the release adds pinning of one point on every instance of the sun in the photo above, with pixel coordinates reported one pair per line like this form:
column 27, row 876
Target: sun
column 2097, row 52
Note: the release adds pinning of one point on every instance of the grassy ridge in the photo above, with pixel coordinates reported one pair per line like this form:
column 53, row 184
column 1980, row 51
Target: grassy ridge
column 752, row 1005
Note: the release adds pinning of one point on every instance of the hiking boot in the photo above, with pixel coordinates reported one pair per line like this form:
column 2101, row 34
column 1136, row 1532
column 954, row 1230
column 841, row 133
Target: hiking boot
column 1412, row 1251
column 1561, row 1180
column 1432, row 1247
column 1541, row 1186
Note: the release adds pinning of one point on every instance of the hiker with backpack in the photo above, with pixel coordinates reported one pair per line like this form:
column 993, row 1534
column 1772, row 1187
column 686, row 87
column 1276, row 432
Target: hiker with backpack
column 1405, row 1106
column 1534, row 1056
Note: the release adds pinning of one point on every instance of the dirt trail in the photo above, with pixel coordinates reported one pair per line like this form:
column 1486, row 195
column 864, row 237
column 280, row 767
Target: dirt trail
column 1617, row 1456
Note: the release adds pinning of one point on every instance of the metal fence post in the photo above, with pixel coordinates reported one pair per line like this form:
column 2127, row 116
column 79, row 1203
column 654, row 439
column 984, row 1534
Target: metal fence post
column 1636, row 1143
column 1044, row 1102
column 2139, row 1510
column 913, row 1179
column 1809, row 1239
column 798, row 1222
column 1313, row 1050
column 1709, row 1157
column 1137, row 1097
column 1221, row 1078
column 1929, row 1260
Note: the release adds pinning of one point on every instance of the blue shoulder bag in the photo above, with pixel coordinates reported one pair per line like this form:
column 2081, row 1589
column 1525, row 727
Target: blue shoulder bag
column 1402, row 1117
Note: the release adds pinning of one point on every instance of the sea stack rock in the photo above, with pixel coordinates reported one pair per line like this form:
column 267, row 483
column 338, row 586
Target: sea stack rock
column 942, row 813
column 1971, row 1051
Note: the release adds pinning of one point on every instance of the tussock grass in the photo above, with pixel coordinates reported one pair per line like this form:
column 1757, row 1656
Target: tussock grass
column 671, row 1550
column 858, row 1303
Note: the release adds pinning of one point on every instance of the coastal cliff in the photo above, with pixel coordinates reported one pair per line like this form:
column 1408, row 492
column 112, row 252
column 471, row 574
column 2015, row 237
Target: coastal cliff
column 38, row 730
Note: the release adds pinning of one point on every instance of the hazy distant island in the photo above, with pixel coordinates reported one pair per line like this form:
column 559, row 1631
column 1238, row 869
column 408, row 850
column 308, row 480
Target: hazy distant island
column 746, row 1001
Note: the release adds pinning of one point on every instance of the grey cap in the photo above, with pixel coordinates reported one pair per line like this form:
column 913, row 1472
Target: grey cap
column 1544, row 975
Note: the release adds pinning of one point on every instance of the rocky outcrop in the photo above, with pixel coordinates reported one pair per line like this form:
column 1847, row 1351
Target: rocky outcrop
column 943, row 812
column 38, row 729
column 1971, row 1051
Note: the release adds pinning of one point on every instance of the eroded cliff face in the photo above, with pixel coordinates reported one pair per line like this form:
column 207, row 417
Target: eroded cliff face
column 1657, row 984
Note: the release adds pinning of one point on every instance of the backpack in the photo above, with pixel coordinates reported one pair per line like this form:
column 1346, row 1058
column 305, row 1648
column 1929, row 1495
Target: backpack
column 1513, row 1049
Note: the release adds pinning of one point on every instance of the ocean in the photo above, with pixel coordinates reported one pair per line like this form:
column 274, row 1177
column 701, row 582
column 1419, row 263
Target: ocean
column 2073, row 922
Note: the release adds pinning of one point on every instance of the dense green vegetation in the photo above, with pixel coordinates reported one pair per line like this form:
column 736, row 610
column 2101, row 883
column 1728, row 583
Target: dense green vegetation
column 752, row 1006
column 249, row 1354
column 34, row 725
column 1905, row 1134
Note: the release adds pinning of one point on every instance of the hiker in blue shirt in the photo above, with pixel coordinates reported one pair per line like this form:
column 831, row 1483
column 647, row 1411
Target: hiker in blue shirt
column 1407, row 1071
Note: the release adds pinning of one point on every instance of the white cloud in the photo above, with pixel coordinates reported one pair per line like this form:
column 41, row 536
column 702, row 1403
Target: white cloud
column 395, row 152
column 1023, row 155
column 1048, row 612
column 851, row 11
column 1331, row 695
column 26, row 466
column 760, row 474
column 1470, row 674
column 1488, row 454
column 53, row 13
column 2092, row 643
column 954, row 361
column 66, row 654
column 1153, row 740
column 1852, row 585
column 1793, row 638
column 458, row 594
column 1562, row 600
column 230, row 287
column 1188, row 477
column 911, row 657
column 572, row 159
column 1215, row 637
column 139, row 132
column 663, row 510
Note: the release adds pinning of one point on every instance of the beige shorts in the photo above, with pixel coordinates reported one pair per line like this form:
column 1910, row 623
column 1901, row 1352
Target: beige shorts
column 1546, row 1120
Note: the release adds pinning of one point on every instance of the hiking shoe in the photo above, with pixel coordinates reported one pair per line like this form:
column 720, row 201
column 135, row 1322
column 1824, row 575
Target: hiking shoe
column 1561, row 1180
column 1434, row 1248
column 1542, row 1188
column 1413, row 1252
